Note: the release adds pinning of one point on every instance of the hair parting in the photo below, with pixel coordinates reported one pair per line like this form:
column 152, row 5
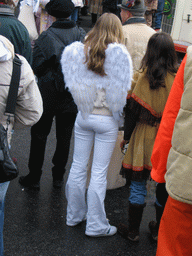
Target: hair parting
column 108, row 29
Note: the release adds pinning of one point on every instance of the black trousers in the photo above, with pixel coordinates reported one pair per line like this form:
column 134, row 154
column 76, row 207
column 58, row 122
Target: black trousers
column 161, row 194
column 39, row 134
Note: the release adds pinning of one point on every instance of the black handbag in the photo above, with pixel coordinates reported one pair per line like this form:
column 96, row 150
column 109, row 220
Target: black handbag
column 8, row 170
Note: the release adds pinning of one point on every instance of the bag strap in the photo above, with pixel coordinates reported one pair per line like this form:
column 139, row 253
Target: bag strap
column 56, row 37
column 13, row 89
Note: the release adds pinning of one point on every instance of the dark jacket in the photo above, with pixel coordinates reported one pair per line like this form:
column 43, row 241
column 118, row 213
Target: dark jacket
column 110, row 4
column 15, row 31
column 46, row 64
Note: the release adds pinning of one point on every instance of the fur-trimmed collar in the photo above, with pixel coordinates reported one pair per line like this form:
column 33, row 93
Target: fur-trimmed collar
column 63, row 23
column 133, row 20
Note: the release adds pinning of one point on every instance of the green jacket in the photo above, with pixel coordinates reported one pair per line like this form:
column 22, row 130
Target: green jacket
column 16, row 32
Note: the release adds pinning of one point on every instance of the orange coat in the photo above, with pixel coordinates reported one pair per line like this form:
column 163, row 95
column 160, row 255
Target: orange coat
column 162, row 143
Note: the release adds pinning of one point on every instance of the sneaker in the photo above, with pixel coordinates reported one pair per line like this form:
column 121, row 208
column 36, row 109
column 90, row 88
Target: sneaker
column 123, row 230
column 153, row 227
column 29, row 182
column 111, row 231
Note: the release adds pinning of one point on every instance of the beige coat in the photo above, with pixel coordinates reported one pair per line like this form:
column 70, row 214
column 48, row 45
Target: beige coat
column 136, row 39
column 179, row 165
column 29, row 105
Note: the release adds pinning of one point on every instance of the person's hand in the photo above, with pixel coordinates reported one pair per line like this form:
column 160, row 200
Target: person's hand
column 123, row 143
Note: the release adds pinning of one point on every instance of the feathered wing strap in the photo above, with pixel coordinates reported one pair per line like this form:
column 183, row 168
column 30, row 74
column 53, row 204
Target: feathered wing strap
column 79, row 80
column 119, row 69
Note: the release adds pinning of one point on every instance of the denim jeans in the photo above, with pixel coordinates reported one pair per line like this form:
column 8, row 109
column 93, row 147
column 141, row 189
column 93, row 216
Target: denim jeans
column 159, row 14
column 3, row 191
column 100, row 131
column 138, row 192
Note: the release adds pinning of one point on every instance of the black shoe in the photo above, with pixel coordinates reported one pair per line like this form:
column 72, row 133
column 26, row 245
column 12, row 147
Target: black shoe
column 58, row 183
column 133, row 235
column 125, row 233
column 153, row 227
column 30, row 182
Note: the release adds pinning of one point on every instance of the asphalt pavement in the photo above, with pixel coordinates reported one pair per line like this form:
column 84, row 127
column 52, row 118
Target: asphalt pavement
column 35, row 220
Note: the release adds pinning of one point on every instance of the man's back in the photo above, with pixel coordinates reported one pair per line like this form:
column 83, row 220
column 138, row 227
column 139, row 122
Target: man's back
column 46, row 62
column 136, row 32
column 15, row 31
column 136, row 38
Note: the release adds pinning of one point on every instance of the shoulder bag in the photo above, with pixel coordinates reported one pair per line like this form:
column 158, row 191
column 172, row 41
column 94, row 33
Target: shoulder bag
column 8, row 170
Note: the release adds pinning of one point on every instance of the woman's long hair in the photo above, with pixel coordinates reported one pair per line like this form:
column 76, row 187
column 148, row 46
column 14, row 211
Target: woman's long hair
column 108, row 29
column 159, row 59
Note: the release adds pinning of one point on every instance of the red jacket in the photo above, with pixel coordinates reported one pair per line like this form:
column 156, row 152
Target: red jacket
column 162, row 143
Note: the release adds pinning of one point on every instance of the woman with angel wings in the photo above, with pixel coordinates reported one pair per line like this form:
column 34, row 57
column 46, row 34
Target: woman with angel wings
column 98, row 74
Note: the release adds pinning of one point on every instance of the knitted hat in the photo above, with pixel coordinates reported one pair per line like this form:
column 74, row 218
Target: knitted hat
column 136, row 7
column 60, row 8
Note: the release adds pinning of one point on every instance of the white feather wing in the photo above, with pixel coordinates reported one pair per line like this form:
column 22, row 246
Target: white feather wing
column 119, row 69
column 79, row 80
column 83, row 83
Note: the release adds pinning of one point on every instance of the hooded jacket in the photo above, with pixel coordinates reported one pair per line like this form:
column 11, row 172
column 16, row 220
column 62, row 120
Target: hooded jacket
column 29, row 102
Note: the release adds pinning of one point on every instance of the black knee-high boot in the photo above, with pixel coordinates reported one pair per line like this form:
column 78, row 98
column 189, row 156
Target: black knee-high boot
column 131, row 232
column 161, row 195
column 154, row 225
column 135, row 216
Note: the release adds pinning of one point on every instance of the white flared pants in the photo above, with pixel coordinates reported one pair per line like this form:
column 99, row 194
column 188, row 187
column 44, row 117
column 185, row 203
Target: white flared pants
column 102, row 132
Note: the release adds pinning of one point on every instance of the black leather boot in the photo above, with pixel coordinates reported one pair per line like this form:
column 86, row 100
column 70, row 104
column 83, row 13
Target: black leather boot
column 154, row 225
column 57, row 175
column 135, row 216
column 161, row 195
column 131, row 231
column 31, row 180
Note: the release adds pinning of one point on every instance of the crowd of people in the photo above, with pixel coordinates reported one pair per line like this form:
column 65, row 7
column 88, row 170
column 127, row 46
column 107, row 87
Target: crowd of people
column 121, row 73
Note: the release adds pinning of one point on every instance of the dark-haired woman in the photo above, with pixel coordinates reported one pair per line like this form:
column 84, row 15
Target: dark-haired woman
column 145, row 104
column 98, row 74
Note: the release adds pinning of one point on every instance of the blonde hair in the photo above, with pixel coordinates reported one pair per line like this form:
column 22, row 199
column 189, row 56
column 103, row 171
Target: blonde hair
column 108, row 29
